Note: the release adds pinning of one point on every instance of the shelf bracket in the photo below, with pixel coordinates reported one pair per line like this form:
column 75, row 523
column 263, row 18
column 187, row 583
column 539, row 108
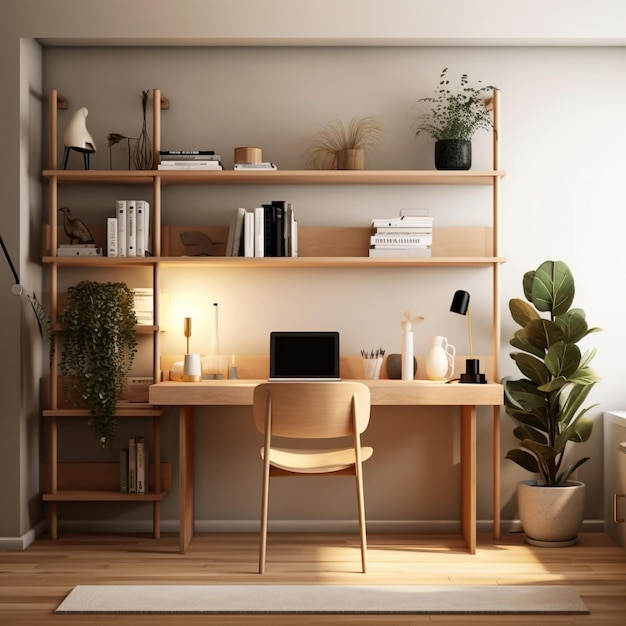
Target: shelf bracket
column 165, row 103
column 62, row 102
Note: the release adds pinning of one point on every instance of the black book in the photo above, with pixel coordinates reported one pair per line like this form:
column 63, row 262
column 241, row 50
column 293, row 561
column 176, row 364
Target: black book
column 279, row 226
column 269, row 215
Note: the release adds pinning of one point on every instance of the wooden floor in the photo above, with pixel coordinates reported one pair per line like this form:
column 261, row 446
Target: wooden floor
column 35, row 581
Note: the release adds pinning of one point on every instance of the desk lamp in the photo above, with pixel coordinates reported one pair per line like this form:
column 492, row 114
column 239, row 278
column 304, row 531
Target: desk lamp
column 460, row 304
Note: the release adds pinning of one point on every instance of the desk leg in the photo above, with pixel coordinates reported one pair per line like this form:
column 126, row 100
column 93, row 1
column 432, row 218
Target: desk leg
column 185, row 475
column 468, row 476
column 496, row 473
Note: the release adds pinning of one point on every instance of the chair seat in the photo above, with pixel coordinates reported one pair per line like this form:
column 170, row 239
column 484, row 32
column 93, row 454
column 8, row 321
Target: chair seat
column 308, row 461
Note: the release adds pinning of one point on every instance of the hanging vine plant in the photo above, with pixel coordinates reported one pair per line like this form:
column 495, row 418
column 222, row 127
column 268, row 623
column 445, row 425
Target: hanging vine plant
column 99, row 348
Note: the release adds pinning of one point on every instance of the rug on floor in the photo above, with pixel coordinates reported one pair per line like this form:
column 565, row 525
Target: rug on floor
column 324, row 599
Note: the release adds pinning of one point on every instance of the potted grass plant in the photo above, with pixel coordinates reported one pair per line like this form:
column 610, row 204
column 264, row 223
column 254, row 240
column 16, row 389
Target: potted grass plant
column 336, row 147
column 99, row 347
column 547, row 403
column 452, row 117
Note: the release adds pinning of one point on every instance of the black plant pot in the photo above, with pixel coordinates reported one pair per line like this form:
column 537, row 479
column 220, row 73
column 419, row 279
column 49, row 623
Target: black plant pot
column 453, row 154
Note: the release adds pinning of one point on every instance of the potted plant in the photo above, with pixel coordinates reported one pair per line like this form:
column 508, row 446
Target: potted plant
column 547, row 404
column 337, row 148
column 99, row 347
column 452, row 120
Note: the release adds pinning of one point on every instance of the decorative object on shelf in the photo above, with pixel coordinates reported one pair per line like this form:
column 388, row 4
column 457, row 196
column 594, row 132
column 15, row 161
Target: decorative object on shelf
column 112, row 140
column 461, row 305
column 337, row 148
column 43, row 320
column 99, row 348
column 142, row 151
column 453, row 119
column 547, row 404
column 246, row 154
column 393, row 366
column 408, row 350
column 75, row 229
column 440, row 359
column 192, row 367
column 77, row 138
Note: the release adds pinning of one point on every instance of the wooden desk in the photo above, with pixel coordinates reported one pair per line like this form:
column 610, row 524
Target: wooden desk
column 383, row 392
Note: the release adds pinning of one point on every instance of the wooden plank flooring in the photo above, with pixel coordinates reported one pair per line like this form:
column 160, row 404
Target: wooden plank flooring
column 35, row 581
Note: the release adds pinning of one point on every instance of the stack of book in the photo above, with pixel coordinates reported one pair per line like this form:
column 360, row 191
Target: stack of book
column 134, row 467
column 78, row 249
column 267, row 230
column 128, row 233
column 189, row 160
column 402, row 236
column 263, row 166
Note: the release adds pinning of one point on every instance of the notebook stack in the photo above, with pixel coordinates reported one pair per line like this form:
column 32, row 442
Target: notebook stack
column 402, row 236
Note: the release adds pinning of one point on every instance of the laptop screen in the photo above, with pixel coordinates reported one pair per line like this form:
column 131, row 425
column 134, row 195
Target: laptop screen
column 304, row 355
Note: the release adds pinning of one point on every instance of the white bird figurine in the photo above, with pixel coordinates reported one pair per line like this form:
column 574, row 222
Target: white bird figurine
column 75, row 229
column 77, row 137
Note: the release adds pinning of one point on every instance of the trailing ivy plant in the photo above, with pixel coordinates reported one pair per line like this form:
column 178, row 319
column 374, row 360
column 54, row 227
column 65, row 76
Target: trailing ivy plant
column 99, row 348
column 455, row 114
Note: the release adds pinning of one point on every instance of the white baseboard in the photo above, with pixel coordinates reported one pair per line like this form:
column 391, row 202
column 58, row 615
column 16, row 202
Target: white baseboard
column 417, row 527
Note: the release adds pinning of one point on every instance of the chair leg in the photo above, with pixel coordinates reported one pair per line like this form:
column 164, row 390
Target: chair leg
column 362, row 528
column 264, row 511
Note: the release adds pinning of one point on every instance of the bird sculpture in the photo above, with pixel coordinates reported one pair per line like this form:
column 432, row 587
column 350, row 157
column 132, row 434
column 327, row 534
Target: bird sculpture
column 75, row 229
column 77, row 137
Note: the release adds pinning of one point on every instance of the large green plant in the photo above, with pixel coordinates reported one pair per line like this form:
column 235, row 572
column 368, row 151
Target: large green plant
column 99, row 348
column 455, row 114
column 547, row 405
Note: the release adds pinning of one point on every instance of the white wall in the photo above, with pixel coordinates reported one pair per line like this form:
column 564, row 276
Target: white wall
column 559, row 107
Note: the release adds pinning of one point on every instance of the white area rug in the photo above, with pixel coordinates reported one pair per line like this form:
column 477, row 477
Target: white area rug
column 323, row 599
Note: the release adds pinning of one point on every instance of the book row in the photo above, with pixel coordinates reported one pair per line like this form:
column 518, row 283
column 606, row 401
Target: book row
column 269, row 230
column 134, row 467
column 406, row 235
column 128, row 233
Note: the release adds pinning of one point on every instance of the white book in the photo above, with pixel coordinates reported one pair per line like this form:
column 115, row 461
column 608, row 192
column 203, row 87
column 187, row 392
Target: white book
column 256, row 166
column 143, row 227
column 131, row 228
column 144, row 305
column 190, row 165
column 248, row 234
column 294, row 237
column 408, row 253
column 120, row 212
column 111, row 236
column 401, row 240
column 402, row 221
column 259, row 231
column 79, row 251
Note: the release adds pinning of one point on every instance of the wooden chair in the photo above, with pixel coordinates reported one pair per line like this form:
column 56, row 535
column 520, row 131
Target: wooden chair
column 312, row 410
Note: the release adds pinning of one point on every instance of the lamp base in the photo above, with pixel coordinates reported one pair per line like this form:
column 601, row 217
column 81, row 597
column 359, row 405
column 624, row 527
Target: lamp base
column 472, row 372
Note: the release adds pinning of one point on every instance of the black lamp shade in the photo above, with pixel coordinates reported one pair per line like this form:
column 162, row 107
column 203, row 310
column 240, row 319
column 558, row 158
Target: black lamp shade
column 460, row 302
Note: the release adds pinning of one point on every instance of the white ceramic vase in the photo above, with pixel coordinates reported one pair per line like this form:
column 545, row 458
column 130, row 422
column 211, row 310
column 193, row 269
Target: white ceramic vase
column 440, row 359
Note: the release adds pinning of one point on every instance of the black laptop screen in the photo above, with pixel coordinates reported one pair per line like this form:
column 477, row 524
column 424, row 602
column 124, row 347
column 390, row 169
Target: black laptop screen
column 304, row 355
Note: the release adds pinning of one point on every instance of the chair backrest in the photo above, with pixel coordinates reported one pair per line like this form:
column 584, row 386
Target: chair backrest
column 312, row 410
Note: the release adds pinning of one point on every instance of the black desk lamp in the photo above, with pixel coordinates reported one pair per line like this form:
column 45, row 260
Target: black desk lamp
column 460, row 305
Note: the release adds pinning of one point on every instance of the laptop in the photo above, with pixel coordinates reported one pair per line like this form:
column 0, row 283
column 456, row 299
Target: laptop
column 304, row 356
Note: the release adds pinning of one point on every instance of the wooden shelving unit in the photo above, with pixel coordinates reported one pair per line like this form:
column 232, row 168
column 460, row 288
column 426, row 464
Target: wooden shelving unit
column 344, row 248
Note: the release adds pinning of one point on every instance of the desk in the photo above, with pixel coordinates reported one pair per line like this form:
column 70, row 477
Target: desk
column 383, row 393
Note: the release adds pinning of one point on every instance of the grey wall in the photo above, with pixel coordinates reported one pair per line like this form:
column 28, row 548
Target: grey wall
column 561, row 199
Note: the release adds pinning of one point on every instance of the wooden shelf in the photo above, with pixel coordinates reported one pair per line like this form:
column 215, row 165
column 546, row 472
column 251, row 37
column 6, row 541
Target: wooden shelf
column 330, row 262
column 279, row 177
column 101, row 496
column 142, row 410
